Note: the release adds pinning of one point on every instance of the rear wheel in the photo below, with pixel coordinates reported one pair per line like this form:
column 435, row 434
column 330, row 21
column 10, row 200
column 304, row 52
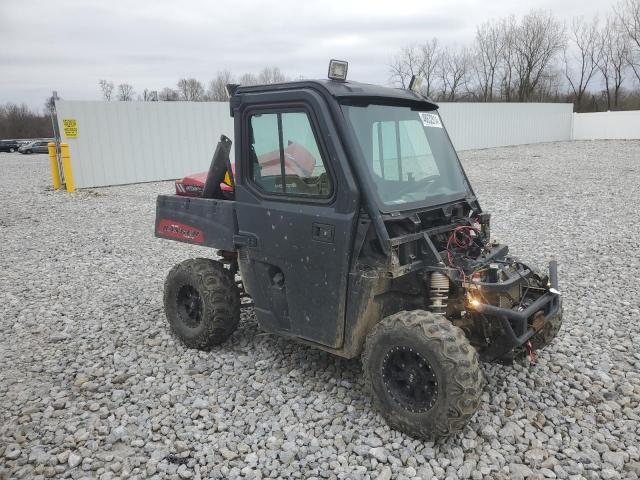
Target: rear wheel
column 423, row 374
column 11, row 150
column 201, row 302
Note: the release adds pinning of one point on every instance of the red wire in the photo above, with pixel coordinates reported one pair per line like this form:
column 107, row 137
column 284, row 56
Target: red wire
column 453, row 237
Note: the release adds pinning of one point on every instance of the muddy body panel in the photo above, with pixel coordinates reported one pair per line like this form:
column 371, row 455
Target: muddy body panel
column 206, row 222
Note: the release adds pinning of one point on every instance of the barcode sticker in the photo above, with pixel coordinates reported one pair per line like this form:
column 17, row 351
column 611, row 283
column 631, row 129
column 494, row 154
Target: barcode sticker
column 430, row 119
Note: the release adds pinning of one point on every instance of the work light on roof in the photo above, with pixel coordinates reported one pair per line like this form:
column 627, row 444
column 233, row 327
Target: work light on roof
column 338, row 69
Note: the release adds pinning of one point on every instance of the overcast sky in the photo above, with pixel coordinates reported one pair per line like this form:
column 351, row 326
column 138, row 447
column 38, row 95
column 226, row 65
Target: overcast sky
column 68, row 45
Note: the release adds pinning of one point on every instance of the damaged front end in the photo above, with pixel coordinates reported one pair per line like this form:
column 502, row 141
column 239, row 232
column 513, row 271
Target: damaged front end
column 508, row 305
column 505, row 307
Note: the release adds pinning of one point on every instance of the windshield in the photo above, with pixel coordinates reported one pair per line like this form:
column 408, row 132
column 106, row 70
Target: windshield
column 408, row 154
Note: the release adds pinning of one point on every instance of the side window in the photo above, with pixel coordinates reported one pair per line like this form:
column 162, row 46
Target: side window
column 285, row 157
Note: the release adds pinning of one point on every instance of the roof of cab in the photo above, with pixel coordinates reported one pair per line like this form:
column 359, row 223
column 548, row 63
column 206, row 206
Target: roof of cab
column 343, row 89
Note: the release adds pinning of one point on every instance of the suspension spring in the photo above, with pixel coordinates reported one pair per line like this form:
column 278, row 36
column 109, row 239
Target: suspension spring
column 438, row 293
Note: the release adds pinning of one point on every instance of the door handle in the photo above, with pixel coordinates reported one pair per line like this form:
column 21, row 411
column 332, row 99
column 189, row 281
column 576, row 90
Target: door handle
column 322, row 232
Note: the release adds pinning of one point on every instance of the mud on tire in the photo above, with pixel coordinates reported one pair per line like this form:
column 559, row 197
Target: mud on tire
column 201, row 302
column 438, row 354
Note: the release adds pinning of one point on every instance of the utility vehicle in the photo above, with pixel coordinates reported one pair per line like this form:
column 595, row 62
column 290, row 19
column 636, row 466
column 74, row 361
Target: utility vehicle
column 348, row 220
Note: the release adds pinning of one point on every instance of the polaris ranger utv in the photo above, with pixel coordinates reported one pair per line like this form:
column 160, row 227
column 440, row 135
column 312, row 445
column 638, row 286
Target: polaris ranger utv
column 353, row 228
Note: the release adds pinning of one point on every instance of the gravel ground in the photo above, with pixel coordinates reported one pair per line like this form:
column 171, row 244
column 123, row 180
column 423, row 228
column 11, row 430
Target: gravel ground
column 93, row 385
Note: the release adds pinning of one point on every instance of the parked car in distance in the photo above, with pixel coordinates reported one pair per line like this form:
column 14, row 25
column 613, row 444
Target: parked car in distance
column 9, row 146
column 39, row 146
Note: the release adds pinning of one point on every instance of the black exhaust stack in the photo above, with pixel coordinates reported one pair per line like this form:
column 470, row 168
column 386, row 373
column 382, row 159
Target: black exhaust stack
column 220, row 164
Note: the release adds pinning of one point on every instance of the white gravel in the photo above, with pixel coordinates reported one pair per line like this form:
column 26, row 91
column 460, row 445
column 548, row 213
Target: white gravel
column 93, row 385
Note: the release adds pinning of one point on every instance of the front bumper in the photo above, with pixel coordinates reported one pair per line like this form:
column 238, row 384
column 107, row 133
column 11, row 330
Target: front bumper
column 519, row 326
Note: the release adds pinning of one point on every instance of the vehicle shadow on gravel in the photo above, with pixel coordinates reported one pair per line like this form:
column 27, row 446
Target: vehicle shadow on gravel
column 316, row 372
column 294, row 355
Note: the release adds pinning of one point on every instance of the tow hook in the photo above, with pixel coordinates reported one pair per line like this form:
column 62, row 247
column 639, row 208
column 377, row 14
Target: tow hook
column 531, row 354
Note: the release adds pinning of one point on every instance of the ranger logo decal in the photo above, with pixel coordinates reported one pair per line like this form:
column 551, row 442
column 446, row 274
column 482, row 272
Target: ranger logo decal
column 180, row 231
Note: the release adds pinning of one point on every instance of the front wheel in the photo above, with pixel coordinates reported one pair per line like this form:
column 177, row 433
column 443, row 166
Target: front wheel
column 423, row 374
column 11, row 150
column 201, row 302
column 29, row 152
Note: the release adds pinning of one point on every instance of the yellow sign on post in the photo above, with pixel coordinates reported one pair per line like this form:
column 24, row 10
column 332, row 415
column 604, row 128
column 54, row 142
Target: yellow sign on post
column 70, row 126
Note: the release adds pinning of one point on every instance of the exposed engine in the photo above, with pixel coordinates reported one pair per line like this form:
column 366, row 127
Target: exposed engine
column 477, row 277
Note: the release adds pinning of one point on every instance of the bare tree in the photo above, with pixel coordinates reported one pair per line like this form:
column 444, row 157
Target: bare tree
column 551, row 86
column 106, row 88
column 125, row 92
column 168, row 95
column 217, row 91
column 190, row 90
column 509, row 33
column 419, row 60
column 271, row 75
column 628, row 13
column 488, row 53
column 539, row 37
column 148, row 96
column 430, row 56
column 248, row 79
column 527, row 59
column 581, row 57
column 404, row 65
column 614, row 54
column 454, row 72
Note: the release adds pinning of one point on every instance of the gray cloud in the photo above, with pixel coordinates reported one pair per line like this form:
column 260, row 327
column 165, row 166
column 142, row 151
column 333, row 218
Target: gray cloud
column 68, row 45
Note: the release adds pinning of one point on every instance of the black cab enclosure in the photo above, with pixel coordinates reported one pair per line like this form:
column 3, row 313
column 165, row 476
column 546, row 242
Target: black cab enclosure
column 292, row 224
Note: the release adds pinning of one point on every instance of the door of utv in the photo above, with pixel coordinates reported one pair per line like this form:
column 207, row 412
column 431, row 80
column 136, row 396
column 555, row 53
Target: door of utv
column 296, row 209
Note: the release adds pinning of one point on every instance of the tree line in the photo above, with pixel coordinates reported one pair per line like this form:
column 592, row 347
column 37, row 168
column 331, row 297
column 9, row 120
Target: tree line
column 190, row 89
column 20, row 121
column 592, row 62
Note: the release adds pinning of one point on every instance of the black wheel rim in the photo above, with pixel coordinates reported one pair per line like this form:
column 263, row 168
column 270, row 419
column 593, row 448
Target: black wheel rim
column 189, row 306
column 409, row 379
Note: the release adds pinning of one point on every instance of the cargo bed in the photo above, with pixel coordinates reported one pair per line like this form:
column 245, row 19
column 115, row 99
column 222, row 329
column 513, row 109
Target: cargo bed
column 200, row 221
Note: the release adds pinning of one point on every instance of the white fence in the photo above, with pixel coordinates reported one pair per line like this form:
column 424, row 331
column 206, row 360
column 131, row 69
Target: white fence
column 131, row 142
column 486, row 125
column 606, row 125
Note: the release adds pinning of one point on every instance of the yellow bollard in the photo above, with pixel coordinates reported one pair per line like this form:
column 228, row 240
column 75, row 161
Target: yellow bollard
column 66, row 167
column 55, row 171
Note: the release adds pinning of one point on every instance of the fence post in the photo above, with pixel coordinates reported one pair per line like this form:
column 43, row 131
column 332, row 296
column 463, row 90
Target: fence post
column 66, row 167
column 55, row 171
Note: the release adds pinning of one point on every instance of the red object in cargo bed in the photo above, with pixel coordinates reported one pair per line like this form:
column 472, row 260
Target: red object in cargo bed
column 298, row 161
column 192, row 185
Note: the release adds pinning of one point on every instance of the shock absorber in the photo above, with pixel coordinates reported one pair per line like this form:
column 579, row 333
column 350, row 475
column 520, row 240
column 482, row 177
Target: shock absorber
column 438, row 292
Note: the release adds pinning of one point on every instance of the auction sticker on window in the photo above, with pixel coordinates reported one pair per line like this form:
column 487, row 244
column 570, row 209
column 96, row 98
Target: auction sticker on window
column 430, row 119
